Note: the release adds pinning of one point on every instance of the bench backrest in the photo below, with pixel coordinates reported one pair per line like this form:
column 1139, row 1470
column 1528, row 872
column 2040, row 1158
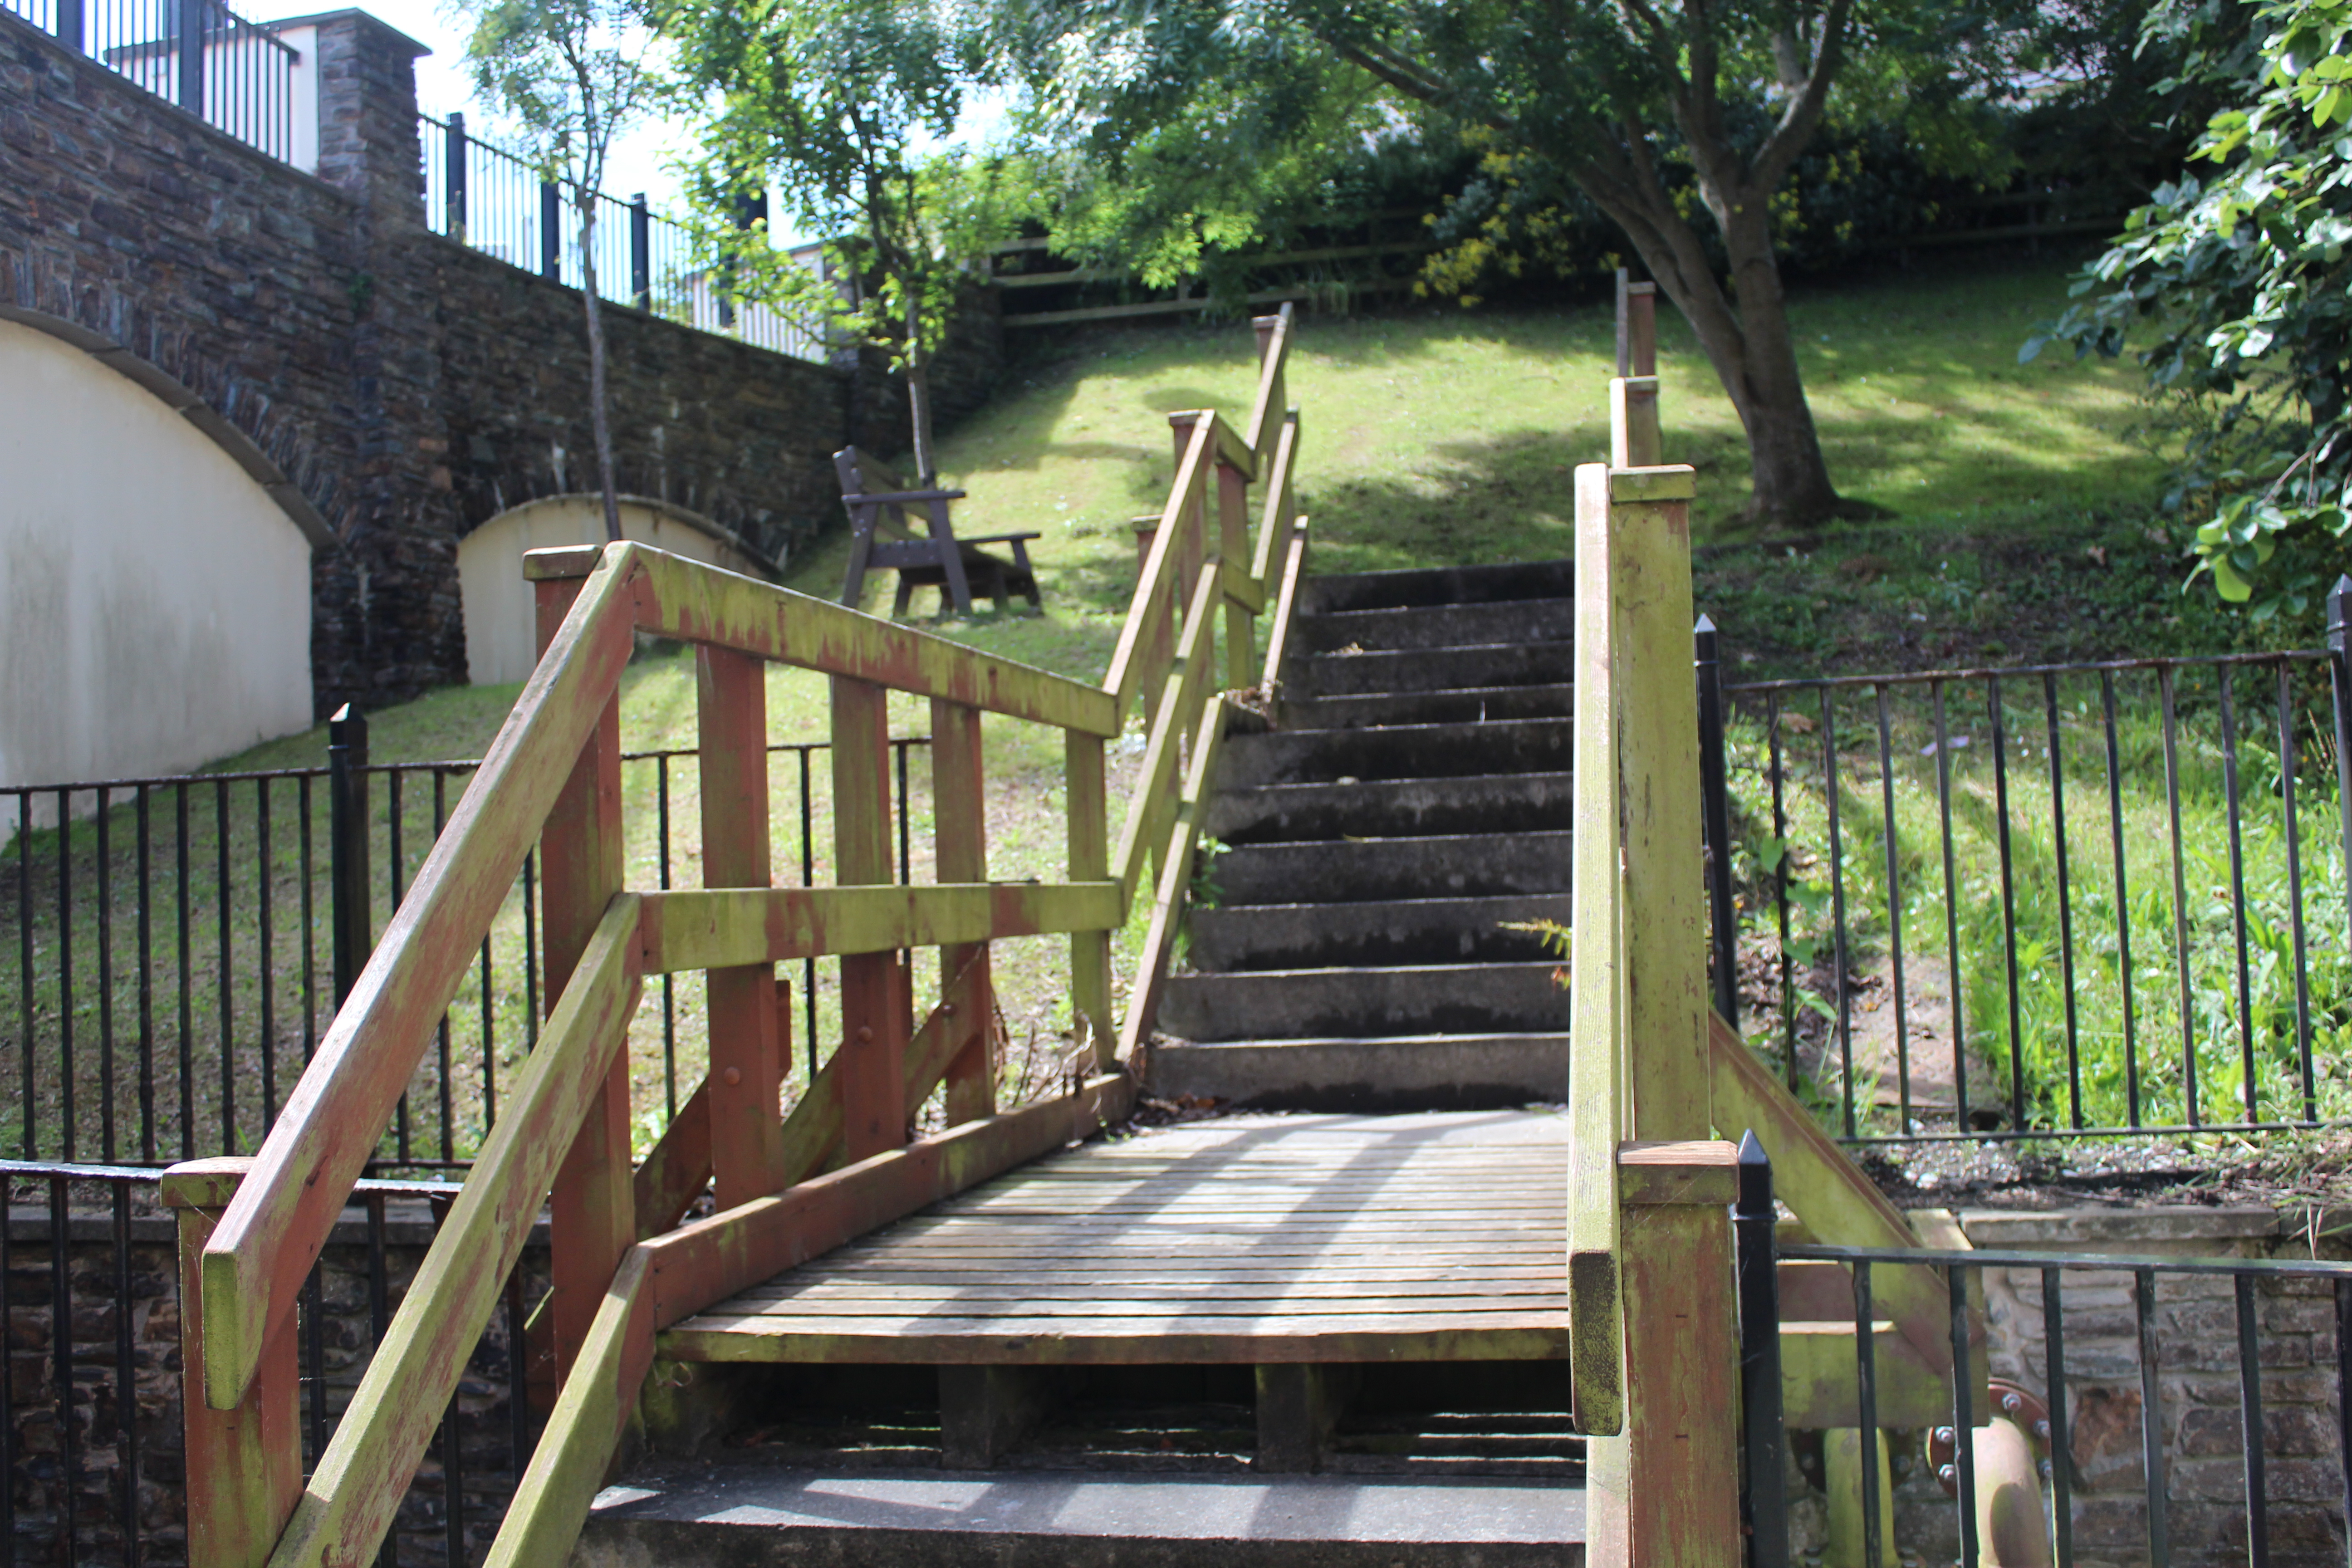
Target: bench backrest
column 863, row 473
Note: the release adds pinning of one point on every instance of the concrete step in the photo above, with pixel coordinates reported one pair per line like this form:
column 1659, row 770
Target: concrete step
column 1430, row 1072
column 1478, row 662
column 1396, row 751
column 1439, row 585
column 1403, row 930
column 1364, row 1003
column 1389, row 808
column 1350, row 871
column 734, row 1515
column 1446, row 625
column 1477, row 705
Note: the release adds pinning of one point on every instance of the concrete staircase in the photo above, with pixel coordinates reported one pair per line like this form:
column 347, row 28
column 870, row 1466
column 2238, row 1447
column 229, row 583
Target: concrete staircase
column 1407, row 806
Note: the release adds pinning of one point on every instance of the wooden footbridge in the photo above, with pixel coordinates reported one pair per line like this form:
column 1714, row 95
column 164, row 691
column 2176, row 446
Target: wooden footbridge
column 1300, row 1250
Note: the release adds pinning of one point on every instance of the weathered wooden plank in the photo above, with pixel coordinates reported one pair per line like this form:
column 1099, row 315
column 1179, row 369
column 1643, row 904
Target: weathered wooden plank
column 1813, row 1176
column 1273, row 361
column 1279, row 509
column 358, row 1484
column 863, row 1295
column 1085, row 802
column 850, row 1315
column 1677, row 1173
column 875, row 1025
column 1818, row 1379
column 677, row 1169
column 1597, row 996
column 959, row 853
column 1634, row 438
column 1667, row 1491
column 1175, row 878
column 1039, row 1343
column 261, row 1252
column 244, row 1465
column 592, row 1218
column 1666, row 1072
column 1172, row 719
column 704, row 604
column 1154, row 588
column 1285, row 607
column 747, row 1064
column 852, row 1265
column 569, row 1465
column 1243, row 597
column 706, row 1261
column 691, row 929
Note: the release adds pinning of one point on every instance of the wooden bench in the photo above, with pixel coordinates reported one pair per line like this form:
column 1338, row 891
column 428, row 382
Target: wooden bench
column 880, row 536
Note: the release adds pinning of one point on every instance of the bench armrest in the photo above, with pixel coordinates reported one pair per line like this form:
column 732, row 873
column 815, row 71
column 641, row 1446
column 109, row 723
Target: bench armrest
column 899, row 498
column 996, row 538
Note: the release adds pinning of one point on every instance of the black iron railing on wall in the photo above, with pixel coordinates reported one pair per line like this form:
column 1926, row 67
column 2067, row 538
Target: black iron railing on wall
column 237, row 76
column 496, row 202
column 178, row 951
column 2104, row 898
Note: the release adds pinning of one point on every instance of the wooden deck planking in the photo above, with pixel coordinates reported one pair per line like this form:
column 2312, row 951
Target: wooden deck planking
column 1246, row 1240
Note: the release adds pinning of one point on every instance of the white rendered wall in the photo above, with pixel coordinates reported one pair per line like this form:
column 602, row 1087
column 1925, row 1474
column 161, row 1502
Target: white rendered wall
column 154, row 600
column 501, row 620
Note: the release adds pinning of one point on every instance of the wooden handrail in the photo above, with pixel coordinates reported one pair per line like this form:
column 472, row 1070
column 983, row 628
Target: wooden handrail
column 1268, row 407
column 272, row 1231
column 548, row 778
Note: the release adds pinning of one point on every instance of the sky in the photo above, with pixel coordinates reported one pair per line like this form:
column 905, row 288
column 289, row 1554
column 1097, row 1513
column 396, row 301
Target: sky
column 642, row 159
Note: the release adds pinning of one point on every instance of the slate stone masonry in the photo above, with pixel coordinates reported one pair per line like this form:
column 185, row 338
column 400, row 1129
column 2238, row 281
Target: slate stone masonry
column 409, row 388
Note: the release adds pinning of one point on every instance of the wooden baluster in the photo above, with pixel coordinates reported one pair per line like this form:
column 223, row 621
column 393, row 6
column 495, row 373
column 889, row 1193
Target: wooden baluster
column 1233, row 533
column 593, row 1209
column 1086, row 800
column 960, row 841
column 747, row 1062
column 244, row 1465
column 875, row 1020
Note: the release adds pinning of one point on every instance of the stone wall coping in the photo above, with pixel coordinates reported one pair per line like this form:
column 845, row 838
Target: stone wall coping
column 221, row 139
column 2119, row 1230
column 320, row 18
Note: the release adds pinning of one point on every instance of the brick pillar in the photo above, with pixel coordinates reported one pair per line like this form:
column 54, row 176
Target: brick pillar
column 389, row 620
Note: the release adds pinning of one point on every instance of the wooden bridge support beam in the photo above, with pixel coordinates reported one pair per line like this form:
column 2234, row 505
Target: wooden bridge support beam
column 959, row 853
column 244, row 1465
column 745, row 1083
column 592, row 1214
column 1086, row 802
column 875, row 1018
column 1665, row 1492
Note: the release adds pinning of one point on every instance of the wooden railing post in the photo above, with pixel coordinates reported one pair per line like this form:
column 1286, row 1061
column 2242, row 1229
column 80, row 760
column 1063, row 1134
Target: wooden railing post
column 960, row 851
column 1233, row 544
column 1086, row 799
column 874, row 1021
column 745, row 1087
column 593, row 1211
column 244, row 1465
column 1666, row 1493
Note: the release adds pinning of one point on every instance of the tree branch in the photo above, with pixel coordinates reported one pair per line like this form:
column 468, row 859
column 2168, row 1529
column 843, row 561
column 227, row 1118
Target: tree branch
column 1804, row 111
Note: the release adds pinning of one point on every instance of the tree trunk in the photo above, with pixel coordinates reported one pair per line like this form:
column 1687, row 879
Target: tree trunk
column 918, row 396
column 1791, row 478
column 600, row 421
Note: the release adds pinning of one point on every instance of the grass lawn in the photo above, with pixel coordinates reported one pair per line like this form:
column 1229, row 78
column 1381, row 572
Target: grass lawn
column 2022, row 527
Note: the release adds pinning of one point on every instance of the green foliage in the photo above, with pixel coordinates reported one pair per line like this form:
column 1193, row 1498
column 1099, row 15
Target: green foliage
column 2241, row 282
column 570, row 73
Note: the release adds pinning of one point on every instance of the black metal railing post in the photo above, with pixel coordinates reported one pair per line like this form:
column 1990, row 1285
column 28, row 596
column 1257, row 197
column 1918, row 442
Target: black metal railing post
column 347, row 827
column 1715, row 819
column 551, row 232
column 2339, row 672
column 192, row 55
column 454, row 178
column 71, row 31
column 1763, row 1494
column 641, row 253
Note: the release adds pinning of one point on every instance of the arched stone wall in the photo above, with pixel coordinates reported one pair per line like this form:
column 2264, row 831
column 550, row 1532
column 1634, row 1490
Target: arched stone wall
column 155, row 593
column 501, row 623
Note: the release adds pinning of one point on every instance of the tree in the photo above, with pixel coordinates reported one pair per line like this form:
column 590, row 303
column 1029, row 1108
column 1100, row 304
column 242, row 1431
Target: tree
column 573, row 73
column 2240, row 290
column 832, row 97
column 1651, row 111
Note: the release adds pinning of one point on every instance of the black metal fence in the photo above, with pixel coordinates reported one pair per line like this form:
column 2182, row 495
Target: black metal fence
column 179, row 946
column 92, row 1449
column 496, row 202
column 237, row 76
column 2222, row 1353
column 2061, row 899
